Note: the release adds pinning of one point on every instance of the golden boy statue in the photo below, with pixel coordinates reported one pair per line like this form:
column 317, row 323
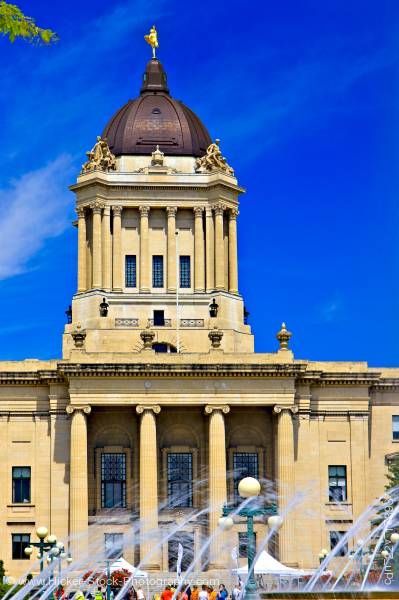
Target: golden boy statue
column 152, row 39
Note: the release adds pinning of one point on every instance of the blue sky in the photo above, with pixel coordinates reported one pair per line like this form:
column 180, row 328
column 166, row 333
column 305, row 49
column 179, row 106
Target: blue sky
column 305, row 98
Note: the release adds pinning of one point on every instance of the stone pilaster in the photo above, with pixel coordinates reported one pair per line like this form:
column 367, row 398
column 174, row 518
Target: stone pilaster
column 117, row 249
column 219, row 248
column 106, row 247
column 171, row 248
column 233, row 267
column 359, row 461
column 82, row 268
column 78, row 485
column 199, row 250
column 150, row 555
column 97, row 251
column 144, row 250
column 210, row 249
column 217, row 481
column 286, row 481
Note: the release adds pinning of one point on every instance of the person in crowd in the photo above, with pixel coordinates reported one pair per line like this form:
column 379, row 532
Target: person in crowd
column 167, row 594
column 222, row 593
column 203, row 595
column 140, row 593
column 236, row 594
column 194, row 593
column 212, row 593
column 79, row 595
column 99, row 594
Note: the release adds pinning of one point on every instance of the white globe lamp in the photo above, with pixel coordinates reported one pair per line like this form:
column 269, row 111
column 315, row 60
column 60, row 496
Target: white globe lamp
column 41, row 532
column 394, row 538
column 226, row 523
column 249, row 487
column 275, row 522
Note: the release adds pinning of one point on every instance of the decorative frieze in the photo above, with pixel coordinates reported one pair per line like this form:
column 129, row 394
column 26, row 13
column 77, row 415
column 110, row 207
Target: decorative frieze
column 126, row 323
column 191, row 322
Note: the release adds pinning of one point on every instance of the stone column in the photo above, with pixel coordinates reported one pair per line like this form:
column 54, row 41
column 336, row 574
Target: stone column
column 150, row 555
column 78, row 485
column 219, row 248
column 285, row 481
column 171, row 248
column 82, row 269
column 144, row 251
column 117, row 249
column 233, row 269
column 199, row 253
column 106, row 256
column 217, row 482
column 210, row 249
column 97, row 279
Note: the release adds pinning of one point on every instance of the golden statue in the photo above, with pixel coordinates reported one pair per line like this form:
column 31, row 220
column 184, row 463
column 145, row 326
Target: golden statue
column 152, row 39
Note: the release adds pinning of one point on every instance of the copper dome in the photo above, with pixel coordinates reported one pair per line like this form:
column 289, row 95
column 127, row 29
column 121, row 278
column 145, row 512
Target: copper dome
column 155, row 118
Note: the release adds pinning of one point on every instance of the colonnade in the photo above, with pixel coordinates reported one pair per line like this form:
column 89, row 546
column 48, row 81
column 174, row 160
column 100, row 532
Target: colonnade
column 150, row 555
column 210, row 255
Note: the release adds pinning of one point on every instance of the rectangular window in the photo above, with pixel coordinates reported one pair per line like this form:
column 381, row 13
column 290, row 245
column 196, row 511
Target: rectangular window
column 21, row 484
column 157, row 271
column 185, row 272
column 113, row 545
column 19, row 542
column 335, row 538
column 337, row 483
column 243, row 544
column 130, row 271
column 395, row 427
column 180, row 479
column 245, row 464
column 113, row 480
column 159, row 318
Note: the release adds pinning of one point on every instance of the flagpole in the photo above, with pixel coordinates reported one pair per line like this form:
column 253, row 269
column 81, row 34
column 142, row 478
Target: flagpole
column 177, row 293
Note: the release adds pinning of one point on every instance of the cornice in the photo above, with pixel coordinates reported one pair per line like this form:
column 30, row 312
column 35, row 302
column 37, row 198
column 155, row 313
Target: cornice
column 321, row 378
column 180, row 370
column 30, row 378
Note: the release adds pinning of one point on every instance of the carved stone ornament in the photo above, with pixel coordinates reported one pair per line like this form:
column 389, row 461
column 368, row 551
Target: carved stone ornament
column 148, row 338
column 277, row 409
column 210, row 408
column 70, row 409
column 100, row 158
column 79, row 336
column 213, row 161
column 215, row 335
column 155, row 408
column 284, row 337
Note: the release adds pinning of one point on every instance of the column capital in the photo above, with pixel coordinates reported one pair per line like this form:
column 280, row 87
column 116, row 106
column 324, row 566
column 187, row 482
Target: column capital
column 233, row 213
column 208, row 211
column 278, row 408
column 210, row 408
column 171, row 211
column 198, row 211
column 107, row 209
column 155, row 408
column 80, row 211
column 144, row 211
column 117, row 210
column 97, row 207
column 219, row 208
column 71, row 408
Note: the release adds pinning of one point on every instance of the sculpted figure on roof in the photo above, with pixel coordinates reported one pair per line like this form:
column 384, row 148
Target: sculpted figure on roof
column 213, row 160
column 99, row 157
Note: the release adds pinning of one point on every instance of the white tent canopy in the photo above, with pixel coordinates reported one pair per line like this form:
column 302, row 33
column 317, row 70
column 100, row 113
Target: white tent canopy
column 122, row 564
column 268, row 565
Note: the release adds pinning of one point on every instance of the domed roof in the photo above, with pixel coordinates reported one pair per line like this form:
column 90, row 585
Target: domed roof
column 155, row 118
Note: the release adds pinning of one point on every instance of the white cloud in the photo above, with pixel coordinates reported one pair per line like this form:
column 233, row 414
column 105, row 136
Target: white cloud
column 34, row 208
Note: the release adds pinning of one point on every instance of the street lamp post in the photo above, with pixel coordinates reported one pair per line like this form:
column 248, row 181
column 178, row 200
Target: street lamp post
column 323, row 554
column 46, row 542
column 249, row 487
column 108, row 592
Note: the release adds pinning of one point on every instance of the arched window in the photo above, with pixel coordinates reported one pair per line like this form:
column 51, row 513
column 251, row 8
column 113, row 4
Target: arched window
column 163, row 347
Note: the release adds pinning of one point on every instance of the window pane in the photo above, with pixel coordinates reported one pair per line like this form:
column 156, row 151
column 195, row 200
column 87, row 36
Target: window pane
column 245, row 464
column 157, row 271
column 130, row 271
column 113, row 480
column 21, row 484
column 113, row 545
column 337, row 483
column 395, row 427
column 180, row 479
column 335, row 538
column 185, row 272
column 19, row 542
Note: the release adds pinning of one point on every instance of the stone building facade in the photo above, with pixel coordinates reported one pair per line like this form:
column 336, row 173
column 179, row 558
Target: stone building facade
column 159, row 403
